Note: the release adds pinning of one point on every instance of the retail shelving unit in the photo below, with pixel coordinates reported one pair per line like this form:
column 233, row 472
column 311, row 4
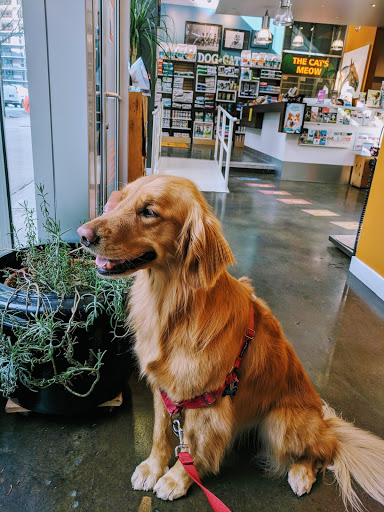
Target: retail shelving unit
column 192, row 91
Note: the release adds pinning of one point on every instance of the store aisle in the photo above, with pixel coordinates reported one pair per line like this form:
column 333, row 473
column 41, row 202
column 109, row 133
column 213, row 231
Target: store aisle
column 334, row 323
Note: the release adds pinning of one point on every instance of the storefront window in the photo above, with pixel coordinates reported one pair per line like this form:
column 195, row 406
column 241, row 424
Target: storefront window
column 16, row 109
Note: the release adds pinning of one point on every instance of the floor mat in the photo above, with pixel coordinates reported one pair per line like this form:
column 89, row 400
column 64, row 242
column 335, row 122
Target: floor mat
column 175, row 145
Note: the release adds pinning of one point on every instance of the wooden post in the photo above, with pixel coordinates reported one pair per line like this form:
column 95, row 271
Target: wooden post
column 137, row 135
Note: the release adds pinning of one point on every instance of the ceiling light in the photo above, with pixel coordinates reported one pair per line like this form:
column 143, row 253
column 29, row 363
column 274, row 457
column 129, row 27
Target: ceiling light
column 298, row 40
column 264, row 35
column 337, row 44
column 284, row 14
column 373, row 5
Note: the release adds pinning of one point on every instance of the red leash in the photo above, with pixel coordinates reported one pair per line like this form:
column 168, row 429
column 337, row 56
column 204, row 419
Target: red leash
column 187, row 462
column 208, row 398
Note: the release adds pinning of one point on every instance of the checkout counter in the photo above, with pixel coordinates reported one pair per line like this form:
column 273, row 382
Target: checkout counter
column 293, row 156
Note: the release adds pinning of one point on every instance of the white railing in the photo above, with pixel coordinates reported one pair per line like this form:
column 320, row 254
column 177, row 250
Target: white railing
column 157, row 116
column 225, row 141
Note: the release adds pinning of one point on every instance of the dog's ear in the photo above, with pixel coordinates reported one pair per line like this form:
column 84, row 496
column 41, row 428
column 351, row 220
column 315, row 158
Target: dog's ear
column 203, row 250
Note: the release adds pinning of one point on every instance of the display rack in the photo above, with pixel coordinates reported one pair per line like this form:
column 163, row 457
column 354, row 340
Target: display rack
column 248, row 88
column 191, row 91
column 335, row 126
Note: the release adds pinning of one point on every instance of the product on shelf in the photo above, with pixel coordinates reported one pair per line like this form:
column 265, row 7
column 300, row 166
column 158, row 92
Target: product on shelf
column 183, row 52
column 206, row 70
column 231, row 71
column 328, row 138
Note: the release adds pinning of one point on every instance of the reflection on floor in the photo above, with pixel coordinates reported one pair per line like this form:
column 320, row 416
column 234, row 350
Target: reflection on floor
column 205, row 174
column 242, row 158
column 334, row 323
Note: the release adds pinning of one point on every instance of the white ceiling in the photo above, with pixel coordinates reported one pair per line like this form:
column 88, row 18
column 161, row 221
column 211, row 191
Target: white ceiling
column 340, row 12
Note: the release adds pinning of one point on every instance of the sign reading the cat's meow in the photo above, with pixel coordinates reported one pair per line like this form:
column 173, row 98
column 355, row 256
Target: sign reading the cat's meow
column 309, row 65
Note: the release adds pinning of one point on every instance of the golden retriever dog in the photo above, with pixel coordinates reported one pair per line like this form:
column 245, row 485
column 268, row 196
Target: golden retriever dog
column 190, row 317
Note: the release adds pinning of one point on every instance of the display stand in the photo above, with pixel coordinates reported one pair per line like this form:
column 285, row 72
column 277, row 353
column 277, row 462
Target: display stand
column 192, row 91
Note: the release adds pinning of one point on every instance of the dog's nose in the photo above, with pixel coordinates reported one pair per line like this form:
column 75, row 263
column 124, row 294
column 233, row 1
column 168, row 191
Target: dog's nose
column 87, row 236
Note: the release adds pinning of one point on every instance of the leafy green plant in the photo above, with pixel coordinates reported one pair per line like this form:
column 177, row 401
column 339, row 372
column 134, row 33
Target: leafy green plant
column 54, row 270
column 148, row 28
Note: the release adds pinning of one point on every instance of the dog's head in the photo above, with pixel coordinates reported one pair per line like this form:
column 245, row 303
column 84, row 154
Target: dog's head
column 163, row 223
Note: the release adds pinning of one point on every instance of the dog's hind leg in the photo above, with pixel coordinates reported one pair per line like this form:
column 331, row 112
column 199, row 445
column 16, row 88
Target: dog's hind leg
column 208, row 432
column 299, row 441
column 148, row 472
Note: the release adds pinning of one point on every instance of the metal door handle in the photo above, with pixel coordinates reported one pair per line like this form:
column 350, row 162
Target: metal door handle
column 113, row 95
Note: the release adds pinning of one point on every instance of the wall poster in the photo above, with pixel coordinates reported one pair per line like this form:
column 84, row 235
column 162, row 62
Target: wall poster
column 205, row 36
column 352, row 71
column 294, row 117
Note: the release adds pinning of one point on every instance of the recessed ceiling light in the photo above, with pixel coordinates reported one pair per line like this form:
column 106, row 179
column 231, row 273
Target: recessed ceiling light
column 337, row 17
column 373, row 5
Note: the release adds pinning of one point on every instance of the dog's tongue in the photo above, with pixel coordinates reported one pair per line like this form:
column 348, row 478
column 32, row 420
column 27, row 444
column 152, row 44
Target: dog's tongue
column 104, row 263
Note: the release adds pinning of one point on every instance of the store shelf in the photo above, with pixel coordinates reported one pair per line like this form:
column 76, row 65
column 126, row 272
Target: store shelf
column 345, row 107
column 340, row 126
column 206, row 74
column 178, row 128
column 227, row 76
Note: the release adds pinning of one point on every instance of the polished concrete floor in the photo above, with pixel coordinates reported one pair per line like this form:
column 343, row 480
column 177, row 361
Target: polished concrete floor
column 336, row 325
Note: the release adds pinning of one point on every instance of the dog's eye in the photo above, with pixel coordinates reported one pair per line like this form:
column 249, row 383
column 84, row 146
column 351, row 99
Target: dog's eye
column 147, row 212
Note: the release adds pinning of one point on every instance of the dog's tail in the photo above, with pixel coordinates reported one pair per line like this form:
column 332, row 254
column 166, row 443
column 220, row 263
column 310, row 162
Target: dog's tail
column 359, row 455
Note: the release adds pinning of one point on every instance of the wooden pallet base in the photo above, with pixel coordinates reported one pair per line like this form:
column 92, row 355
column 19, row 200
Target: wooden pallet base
column 12, row 406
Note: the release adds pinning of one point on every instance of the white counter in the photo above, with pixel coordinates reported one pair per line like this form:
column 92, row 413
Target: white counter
column 305, row 162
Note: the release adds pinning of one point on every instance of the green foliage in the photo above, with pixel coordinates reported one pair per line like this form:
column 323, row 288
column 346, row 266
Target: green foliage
column 148, row 28
column 54, row 268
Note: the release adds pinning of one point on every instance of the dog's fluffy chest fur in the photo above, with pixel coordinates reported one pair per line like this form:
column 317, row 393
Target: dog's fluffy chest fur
column 170, row 344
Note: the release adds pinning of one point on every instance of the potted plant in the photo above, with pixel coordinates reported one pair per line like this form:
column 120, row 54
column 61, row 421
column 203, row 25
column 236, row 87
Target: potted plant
column 148, row 29
column 64, row 346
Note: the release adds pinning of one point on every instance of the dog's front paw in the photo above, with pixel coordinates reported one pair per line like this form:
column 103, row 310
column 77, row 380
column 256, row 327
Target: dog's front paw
column 172, row 485
column 146, row 475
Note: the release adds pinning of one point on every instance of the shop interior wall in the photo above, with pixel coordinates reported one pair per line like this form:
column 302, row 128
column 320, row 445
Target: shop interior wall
column 371, row 244
column 181, row 13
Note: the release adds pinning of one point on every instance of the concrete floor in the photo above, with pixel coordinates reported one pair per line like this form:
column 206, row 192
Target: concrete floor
column 335, row 324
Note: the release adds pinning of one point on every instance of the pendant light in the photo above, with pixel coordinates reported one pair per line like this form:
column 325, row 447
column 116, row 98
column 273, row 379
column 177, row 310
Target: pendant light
column 298, row 40
column 264, row 35
column 337, row 44
column 284, row 16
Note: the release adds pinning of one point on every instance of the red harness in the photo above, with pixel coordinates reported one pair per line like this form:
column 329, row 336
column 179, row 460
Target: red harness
column 207, row 398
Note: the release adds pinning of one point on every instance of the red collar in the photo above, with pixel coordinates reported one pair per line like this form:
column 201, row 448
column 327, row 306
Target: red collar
column 228, row 388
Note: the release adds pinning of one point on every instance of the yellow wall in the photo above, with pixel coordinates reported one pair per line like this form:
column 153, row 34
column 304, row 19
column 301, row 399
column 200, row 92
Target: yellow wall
column 371, row 244
column 354, row 40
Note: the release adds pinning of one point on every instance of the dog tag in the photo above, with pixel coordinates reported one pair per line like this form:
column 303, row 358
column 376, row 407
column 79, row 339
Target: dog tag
column 230, row 390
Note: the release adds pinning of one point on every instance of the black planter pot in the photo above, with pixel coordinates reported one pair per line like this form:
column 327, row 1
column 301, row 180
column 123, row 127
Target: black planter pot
column 56, row 399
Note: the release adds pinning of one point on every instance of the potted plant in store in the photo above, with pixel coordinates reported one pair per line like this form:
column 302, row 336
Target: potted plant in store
column 64, row 346
column 148, row 28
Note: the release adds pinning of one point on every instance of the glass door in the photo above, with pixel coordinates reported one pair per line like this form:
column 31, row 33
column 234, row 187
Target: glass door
column 103, row 98
column 16, row 163
column 5, row 203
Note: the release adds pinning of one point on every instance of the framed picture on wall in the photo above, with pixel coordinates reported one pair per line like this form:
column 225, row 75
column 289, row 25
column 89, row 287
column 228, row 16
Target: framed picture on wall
column 205, row 36
column 235, row 39
column 255, row 44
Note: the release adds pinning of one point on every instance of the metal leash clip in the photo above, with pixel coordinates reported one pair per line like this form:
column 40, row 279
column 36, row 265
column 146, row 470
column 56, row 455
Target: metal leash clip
column 178, row 431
